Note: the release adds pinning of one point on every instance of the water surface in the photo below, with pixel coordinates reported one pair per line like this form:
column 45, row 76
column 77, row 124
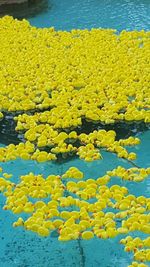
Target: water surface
column 20, row 248
column 117, row 14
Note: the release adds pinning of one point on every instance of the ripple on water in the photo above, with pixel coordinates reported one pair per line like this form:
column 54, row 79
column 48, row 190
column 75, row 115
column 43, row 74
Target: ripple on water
column 68, row 14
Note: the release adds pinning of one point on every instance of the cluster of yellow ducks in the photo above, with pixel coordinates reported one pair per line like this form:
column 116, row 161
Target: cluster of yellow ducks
column 58, row 79
column 136, row 245
column 77, row 207
column 89, row 149
column 52, row 82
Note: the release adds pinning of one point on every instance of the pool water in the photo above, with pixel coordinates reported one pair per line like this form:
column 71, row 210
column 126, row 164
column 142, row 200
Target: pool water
column 21, row 248
column 116, row 14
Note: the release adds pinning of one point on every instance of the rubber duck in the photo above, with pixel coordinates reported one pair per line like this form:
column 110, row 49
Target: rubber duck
column 146, row 242
column 43, row 231
column 87, row 235
column 19, row 222
column 6, row 175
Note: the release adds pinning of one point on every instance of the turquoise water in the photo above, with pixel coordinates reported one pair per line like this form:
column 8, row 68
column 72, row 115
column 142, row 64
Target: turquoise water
column 117, row 14
column 19, row 248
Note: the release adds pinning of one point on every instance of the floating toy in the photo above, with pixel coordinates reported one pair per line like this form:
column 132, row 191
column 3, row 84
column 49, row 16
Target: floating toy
column 81, row 81
column 76, row 84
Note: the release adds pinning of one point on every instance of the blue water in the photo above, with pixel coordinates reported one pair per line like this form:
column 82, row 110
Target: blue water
column 116, row 14
column 19, row 248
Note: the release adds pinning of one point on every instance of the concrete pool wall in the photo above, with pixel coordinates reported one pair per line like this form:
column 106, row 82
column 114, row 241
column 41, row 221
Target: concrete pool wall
column 22, row 8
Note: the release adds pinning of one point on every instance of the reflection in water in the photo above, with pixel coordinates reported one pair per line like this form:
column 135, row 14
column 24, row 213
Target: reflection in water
column 28, row 8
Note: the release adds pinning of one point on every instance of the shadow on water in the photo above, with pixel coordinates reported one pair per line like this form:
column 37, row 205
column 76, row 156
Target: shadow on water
column 25, row 9
column 123, row 130
column 8, row 135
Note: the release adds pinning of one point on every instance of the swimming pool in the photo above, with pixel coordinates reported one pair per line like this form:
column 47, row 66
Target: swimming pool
column 22, row 248
column 66, row 15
